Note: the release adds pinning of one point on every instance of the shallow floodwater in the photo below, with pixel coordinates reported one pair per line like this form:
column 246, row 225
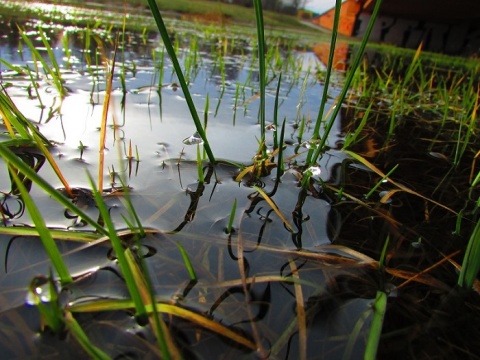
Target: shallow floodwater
column 309, row 290
column 150, row 112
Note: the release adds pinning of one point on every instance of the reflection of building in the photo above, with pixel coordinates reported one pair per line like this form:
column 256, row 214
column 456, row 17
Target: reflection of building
column 442, row 25
column 322, row 50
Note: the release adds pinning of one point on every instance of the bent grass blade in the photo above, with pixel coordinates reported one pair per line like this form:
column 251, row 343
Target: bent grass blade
column 45, row 186
column 53, row 164
column 274, row 207
column 43, row 232
column 200, row 320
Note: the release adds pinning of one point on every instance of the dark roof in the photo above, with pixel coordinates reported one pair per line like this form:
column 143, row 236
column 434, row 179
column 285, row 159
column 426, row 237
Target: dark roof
column 442, row 11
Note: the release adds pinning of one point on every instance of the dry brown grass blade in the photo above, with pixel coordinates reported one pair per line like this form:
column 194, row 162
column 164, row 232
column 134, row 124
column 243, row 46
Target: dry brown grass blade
column 200, row 320
column 7, row 124
column 274, row 207
column 301, row 316
column 53, row 164
column 244, row 172
column 241, row 267
column 261, row 279
column 400, row 186
column 103, row 126
column 206, row 323
column 422, row 278
column 430, row 268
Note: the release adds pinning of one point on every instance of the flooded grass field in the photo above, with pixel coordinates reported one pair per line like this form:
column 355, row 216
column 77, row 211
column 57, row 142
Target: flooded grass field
column 302, row 214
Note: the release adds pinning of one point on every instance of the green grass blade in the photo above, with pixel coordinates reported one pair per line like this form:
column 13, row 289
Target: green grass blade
column 231, row 217
column 351, row 139
column 43, row 232
column 471, row 260
column 36, row 55
column 78, row 333
column 181, row 79
column 379, row 308
column 380, row 182
column 32, row 175
column 275, row 114
column 261, row 64
column 11, row 118
column 131, row 208
column 80, row 236
column 119, row 253
column 55, row 74
column 186, row 260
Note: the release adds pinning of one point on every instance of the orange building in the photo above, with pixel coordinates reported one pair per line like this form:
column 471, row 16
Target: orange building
column 348, row 15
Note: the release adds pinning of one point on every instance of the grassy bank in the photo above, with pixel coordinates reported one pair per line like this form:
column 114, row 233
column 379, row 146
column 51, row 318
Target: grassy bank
column 197, row 10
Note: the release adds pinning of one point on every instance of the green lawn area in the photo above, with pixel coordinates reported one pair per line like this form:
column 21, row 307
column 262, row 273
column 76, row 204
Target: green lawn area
column 234, row 13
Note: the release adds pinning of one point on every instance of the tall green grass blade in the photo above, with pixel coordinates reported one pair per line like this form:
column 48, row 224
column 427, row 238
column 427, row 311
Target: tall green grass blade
column 312, row 159
column 45, row 186
column 43, row 232
column 231, row 217
column 331, row 55
column 379, row 309
column 471, row 260
column 275, row 114
column 280, row 166
column 181, row 79
column 261, row 64
column 54, row 73
column 201, row 177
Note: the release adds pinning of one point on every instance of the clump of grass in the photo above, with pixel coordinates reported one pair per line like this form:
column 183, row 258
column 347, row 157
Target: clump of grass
column 315, row 152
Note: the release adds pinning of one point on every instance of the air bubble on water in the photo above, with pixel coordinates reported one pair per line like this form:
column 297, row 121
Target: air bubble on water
column 314, row 170
column 310, row 144
column 195, row 139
